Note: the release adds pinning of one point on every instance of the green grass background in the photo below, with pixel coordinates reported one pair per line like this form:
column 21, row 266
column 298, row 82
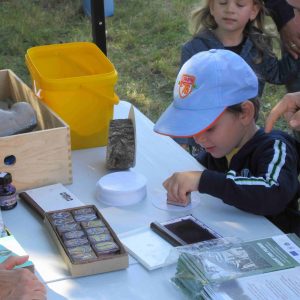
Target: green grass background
column 143, row 43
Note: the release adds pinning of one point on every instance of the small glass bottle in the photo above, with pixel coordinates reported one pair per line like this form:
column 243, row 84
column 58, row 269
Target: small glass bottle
column 8, row 195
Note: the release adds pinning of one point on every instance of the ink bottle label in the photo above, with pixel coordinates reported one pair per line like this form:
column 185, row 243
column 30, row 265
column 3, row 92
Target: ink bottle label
column 8, row 196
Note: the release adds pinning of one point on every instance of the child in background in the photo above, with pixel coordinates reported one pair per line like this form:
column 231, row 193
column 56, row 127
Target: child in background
column 238, row 25
column 215, row 102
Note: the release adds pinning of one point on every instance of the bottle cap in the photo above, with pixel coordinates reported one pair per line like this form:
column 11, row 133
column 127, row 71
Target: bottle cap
column 5, row 178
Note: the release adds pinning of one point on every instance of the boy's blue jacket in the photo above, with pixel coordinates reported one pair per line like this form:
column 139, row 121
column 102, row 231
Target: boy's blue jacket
column 271, row 69
column 262, row 177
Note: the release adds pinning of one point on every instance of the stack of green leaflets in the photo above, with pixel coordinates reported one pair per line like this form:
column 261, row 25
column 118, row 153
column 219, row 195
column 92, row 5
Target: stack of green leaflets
column 202, row 266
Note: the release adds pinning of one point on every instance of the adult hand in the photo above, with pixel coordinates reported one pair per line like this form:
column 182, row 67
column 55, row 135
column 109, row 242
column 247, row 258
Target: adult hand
column 290, row 37
column 13, row 261
column 180, row 184
column 289, row 107
column 21, row 283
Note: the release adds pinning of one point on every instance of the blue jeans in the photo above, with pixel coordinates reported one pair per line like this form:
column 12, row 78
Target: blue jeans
column 294, row 85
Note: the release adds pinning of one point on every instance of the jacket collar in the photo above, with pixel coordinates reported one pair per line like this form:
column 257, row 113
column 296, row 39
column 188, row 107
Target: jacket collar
column 213, row 42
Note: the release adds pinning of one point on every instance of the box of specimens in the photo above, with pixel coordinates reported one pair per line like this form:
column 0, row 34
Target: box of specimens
column 86, row 241
column 38, row 157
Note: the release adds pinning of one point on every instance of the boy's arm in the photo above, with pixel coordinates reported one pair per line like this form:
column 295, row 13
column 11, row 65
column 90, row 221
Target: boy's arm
column 267, row 192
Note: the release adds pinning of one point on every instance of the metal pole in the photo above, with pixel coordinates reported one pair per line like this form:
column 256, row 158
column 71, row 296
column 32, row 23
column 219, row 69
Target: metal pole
column 98, row 24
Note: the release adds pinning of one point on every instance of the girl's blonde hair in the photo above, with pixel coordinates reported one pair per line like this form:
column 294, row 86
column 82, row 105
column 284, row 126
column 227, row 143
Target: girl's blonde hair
column 202, row 19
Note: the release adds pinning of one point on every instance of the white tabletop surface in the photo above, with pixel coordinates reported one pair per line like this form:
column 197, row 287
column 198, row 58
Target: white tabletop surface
column 157, row 158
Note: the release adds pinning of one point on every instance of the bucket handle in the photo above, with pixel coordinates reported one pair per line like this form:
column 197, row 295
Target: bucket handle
column 115, row 99
column 38, row 92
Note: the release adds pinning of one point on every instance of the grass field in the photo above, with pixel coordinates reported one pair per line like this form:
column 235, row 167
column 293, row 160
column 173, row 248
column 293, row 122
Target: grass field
column 143, row 43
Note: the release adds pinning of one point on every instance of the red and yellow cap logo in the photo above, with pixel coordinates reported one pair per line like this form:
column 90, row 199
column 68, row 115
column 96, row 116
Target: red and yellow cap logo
column 186, row 85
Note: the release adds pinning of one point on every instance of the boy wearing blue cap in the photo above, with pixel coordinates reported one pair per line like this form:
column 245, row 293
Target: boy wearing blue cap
column 215, row 102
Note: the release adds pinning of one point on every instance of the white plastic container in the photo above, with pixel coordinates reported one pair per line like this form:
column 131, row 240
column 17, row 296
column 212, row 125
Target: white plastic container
column 121, row 188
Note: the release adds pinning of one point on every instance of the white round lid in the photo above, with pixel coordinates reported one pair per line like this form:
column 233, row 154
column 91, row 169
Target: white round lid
column 121, row 188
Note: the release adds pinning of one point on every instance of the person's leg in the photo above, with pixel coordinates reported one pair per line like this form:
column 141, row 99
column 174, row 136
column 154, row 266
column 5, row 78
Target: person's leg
column 294, row 85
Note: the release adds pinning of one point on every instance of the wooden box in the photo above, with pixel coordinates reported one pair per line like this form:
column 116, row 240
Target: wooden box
column 40, row 157
column 101, row 264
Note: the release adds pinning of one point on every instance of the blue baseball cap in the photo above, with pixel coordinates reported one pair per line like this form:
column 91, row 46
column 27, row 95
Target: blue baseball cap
column 206, row 85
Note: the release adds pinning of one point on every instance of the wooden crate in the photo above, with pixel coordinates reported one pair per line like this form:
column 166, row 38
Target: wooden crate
column 40, row 157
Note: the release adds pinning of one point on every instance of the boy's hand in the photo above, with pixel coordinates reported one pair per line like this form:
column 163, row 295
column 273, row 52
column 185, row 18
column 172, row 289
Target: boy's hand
column 180, row 184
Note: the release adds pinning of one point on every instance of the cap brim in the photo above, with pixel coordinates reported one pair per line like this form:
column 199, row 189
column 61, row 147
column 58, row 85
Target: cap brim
column 176, row 122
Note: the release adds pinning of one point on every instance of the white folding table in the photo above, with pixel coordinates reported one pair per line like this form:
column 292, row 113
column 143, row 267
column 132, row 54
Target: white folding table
column 157, row 158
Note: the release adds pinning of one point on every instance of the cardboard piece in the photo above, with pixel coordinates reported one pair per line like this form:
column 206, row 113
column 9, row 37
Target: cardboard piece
column 50, row 198
column 131, row 116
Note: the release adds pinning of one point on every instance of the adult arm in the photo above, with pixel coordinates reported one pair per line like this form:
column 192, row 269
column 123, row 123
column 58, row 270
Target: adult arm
column 279, row 71
column 281, row 12
column 290, row 37
column 289, row 108
column 283, row 15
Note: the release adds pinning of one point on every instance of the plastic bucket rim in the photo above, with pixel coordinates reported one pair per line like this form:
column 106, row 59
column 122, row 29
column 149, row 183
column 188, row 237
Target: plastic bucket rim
column 64, row 45
column 31, row 65
column 110, row 76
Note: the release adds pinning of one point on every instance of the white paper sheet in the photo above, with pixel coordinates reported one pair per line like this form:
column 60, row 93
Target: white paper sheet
column 54, row 197
column 147, row 247
column 278, row 285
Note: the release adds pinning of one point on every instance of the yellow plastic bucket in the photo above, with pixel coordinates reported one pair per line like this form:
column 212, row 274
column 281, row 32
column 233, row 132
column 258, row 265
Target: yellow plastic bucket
column 77, row 81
